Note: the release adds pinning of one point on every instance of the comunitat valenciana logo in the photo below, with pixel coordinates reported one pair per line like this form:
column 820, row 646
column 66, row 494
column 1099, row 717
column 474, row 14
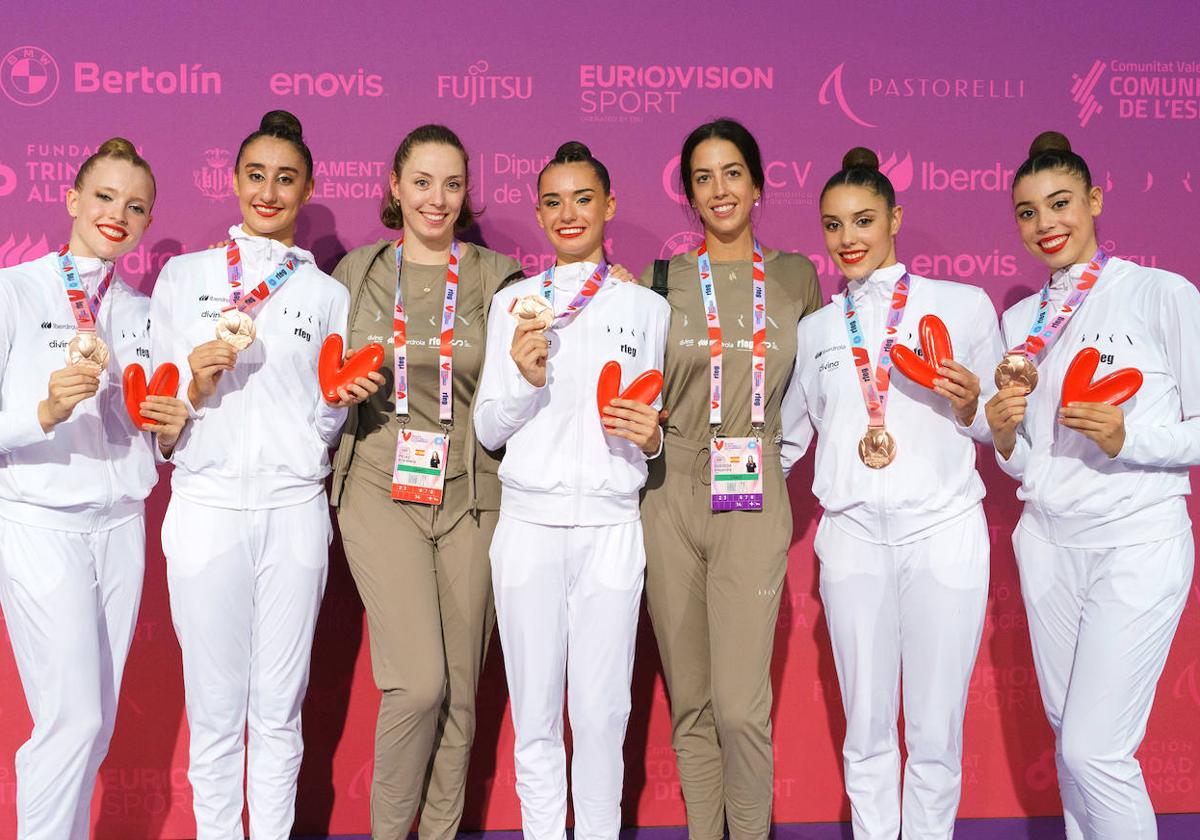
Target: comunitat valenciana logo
column 479, row 83
column 28, row 75
column 853, row 95
column 1142, row 90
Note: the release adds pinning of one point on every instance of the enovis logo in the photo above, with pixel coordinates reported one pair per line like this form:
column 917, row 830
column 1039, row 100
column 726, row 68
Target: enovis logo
column 478, row 84
column 28, row 75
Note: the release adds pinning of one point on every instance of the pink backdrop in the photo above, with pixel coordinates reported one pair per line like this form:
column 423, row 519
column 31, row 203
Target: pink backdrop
column 949, row 97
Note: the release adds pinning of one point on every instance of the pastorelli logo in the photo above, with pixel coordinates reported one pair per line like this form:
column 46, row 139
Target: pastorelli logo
column 837, row 89
column 479, row 84
column 658, row 88
column 28, row 75
column 1143, row 90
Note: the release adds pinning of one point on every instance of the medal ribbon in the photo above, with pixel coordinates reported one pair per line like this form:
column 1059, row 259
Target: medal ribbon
column 242, row 300
column 84, row 309
column 446, row 347
column 1042, row 335
column 581, row 300
column 758, row 360
column 875, row 388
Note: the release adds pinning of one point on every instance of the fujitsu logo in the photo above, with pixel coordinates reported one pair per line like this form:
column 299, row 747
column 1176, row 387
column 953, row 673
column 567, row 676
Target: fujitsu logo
column 14, row 252
column 478, row 84
column 215, row 179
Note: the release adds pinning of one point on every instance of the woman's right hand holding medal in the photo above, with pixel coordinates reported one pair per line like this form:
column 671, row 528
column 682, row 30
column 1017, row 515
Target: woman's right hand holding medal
column 208, row 362
column 530, row 349
column 68, row 387
column 1005, row 412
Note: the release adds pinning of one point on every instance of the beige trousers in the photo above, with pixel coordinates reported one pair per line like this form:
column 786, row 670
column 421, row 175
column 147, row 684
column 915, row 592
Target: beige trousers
column 424, row 577
column 713, row 586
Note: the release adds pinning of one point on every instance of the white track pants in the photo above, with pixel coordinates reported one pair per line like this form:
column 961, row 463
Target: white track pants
column 567, row 604
column 918, row 609
column 71, row 603
column 1101, row 622
column 245, row 586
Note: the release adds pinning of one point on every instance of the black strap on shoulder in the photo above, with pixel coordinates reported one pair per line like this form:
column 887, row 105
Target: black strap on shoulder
column 512, row 278
column 661, row 269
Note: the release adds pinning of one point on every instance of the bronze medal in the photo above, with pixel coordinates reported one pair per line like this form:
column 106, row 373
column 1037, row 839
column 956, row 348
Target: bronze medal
column 1017, row 369
column 87, row 347
column 533, row 308
column 877, row 448
column 236, row 328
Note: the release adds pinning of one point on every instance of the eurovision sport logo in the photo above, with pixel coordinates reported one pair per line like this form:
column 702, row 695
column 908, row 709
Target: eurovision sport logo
column 630, row 92
column 1141, row 90
column 28, row 75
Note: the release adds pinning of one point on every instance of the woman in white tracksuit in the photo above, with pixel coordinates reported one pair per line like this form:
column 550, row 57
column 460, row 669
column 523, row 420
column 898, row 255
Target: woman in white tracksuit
column 567, row 555
column 1104, row 544
column 74, row 471
column 247, row 530
column 903, row 544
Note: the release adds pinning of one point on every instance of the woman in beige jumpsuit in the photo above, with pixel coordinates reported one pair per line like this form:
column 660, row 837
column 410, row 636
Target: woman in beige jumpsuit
column 714, row 578
column 422, row 569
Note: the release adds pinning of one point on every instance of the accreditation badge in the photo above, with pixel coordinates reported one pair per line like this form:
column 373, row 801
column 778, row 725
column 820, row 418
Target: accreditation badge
column 420, row 472
column 736, row 466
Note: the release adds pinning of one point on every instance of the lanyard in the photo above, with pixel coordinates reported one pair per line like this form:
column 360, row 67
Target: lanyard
column 85, row 311
column 875, row 388
column 758, row 362
column 242, row 300
column 1041, row 334
column 446, row 349
column 581, row 300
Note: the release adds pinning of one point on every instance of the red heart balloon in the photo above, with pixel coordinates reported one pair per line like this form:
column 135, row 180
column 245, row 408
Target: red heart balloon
column 164, row 383
column 608, row 386
column 1113, row 389
column 935, row 344
column 646, row 388
column 332, row 373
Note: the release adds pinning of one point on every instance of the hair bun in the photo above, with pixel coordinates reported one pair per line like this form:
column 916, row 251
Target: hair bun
column 1049, row 141
column 281, row 124
column 572, row 151
column 117, row 147
column 860, row 157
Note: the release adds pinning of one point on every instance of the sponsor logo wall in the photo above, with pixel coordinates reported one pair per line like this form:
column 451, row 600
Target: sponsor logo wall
column 950, row 127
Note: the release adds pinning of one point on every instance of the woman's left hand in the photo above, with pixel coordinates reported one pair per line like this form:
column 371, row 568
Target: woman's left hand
column 621, row 273
column 168, row 416
column 359, row 390
column 633, row 421
column 960, row 387
column 1103, row 423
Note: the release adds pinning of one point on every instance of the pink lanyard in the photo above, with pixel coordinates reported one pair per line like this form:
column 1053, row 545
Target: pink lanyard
column 446, row 351
column 85, row 311
column 1042, row 335
column 875, row 388
column 586, row 294
column 758, row 361
column 242, row 300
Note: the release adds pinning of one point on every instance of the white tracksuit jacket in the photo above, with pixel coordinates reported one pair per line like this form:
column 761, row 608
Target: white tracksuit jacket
column 262, row 440
column 1075, row 495
column 92, row 471
column 560, row 468
column 933, row 480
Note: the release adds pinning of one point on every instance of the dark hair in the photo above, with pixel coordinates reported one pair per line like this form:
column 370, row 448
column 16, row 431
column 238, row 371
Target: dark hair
column 115, row 148
column 282, row 125
column 1052, row 150
column 390, row 213
column 721, row 129
column 575, row 152
column 860, row 168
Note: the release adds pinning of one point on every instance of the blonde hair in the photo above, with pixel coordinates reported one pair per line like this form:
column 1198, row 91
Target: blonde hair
column 115, row 148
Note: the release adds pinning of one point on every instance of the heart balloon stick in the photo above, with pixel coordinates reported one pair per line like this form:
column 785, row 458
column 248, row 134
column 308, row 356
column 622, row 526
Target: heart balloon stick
column 333, row 374
column 164, row 383
column 935, row 344
column 1113, row 389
